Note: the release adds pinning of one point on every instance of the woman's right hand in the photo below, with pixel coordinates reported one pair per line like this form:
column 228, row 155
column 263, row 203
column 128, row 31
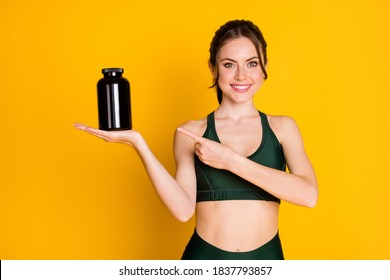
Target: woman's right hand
column 179, row 195
column 129, row 137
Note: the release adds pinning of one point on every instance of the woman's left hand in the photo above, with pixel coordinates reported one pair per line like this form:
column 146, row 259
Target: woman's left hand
column 210, row 152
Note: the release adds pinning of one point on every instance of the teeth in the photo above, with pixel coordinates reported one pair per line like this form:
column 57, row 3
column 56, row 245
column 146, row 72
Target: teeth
column 240, row 87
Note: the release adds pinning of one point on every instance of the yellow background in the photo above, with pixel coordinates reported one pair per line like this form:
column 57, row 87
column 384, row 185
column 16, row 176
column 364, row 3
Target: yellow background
column 68, row 195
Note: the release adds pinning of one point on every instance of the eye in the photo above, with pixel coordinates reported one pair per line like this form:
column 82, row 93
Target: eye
column 228, row 65
column 253, row 64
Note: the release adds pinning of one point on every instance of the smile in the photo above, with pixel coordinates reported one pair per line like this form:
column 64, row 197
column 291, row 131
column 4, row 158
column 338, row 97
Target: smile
column 240, row 88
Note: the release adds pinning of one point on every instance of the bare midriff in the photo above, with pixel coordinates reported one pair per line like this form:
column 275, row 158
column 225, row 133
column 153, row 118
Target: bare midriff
column 237, row 225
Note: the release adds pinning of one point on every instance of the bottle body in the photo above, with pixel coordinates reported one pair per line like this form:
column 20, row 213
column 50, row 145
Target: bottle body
column 114, row 101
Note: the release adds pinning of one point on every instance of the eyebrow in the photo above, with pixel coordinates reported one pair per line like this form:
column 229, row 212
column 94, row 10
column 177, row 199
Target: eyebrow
column 229, row 59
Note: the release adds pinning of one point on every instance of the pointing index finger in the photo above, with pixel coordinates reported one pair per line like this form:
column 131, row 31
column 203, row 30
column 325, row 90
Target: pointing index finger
column 190, row 134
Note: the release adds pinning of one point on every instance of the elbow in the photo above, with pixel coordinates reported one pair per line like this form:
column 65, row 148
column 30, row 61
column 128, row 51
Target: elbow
column 311, row 203
column 312, row 197
column 185, row 216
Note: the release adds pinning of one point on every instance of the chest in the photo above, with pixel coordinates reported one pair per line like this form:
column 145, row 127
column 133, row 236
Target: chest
column 244, row 136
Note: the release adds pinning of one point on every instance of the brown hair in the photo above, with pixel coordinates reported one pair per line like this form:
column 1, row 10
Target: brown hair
column 232, row 30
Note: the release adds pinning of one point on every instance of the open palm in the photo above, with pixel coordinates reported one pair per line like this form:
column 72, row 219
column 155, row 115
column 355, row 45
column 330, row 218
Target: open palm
column 130, row 137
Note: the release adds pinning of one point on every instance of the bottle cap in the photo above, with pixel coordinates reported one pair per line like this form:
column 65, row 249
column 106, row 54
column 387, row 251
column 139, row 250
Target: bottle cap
column 112, row 70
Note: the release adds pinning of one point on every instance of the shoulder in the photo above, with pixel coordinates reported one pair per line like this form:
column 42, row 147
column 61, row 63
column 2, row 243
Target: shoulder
column 196, row 126
column 183, row 142
column 284, row 127
column 183, row 145
column 281, row 121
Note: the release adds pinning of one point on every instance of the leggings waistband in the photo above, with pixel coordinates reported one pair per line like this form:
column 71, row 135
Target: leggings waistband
column 199, row 249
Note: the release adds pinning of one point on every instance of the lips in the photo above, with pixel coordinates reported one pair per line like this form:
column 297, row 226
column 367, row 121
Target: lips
column 240, row 88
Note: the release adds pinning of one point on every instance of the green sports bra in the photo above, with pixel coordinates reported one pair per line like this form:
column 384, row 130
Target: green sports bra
column 219, row 184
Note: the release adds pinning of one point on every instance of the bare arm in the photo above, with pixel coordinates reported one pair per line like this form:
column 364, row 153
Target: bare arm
column 298, row 187
column 178, row 194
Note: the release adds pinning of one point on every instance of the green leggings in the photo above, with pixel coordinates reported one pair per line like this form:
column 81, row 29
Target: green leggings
column 198, row 249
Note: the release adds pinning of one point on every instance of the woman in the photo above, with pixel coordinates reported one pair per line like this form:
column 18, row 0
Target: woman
column 231, row 164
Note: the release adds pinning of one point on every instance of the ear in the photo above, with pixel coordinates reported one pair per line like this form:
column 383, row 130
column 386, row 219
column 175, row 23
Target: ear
column 213, row 70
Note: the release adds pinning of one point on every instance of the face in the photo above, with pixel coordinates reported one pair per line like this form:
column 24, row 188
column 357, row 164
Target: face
column 240, row 74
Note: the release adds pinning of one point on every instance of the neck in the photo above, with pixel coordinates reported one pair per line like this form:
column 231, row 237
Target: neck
column 235, row 111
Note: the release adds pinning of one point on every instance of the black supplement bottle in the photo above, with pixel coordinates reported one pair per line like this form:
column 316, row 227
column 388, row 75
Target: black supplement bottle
column 114, row 104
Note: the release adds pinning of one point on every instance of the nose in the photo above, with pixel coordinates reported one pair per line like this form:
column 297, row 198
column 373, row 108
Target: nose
column 240, row 74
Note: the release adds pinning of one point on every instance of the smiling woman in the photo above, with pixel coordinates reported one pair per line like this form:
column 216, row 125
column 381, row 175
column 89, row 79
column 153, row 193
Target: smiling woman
column 229, row 32
column 238, row 69
column 231, row 165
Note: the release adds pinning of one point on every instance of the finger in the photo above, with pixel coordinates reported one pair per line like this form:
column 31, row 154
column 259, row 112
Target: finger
column 80, row 126
column 93, row 131
column 98, row 133
column 190, row 134
column 197, row 147
column 86, row 128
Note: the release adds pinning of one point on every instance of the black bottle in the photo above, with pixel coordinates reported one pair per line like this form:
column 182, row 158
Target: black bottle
column 114, row 105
